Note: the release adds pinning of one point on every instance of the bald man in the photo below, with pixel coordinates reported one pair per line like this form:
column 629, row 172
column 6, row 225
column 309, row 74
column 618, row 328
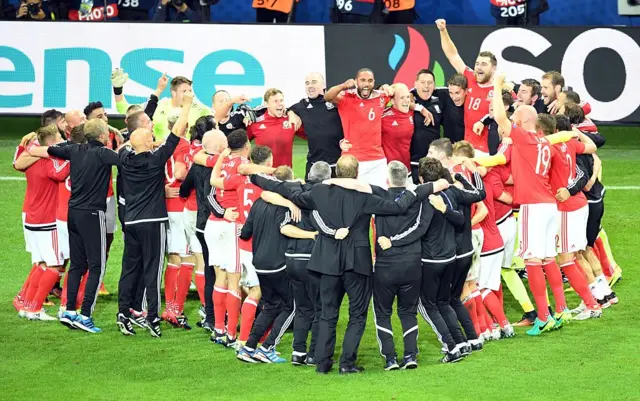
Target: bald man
column 143, row 174
column 530, row 165
column 320, row 121
column 213, row 142
column 398, row 128
column 73, row 119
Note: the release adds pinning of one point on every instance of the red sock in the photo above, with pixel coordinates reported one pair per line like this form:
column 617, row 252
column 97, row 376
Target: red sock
column 200, row 286
column 538, row 287
column 32, row 290
column 233, row 313
column 170, row 280
column 219, row 307
column 579, row 284
column 470, row 304
column 601, row 253
column 483, row 318
column 554, row 277
column 500, row 295
column 183, row 282
column 25, row 286
column 493, row 305
column 248, row 313
column 48, row 279
column 81, row 288
column 63, row 297
column 266, row 334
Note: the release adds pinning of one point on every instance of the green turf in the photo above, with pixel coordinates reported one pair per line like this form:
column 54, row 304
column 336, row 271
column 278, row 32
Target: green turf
column 592, row 360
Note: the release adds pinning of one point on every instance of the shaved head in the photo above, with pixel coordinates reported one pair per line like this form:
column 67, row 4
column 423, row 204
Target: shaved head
column 141, row 140
column 214, row 141
column 347, row 167
column 74, row 118
column 525, row 117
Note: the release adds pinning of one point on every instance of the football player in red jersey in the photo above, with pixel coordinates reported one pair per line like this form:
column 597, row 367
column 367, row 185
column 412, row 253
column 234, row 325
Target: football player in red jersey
column 41, row 203
column 397, row 128
column 530, row 166
column 479, row 89
column 574, row 212
column 273, row 129
column 361, row 108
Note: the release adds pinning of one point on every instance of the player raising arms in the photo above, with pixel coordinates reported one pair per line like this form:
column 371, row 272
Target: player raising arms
column 479, row 88
column 530, row 166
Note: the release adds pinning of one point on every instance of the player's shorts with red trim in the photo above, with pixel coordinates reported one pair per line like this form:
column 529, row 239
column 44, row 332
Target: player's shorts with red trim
column 373, row 172
column 190, row 217
column 249, row 276
column 490, row 266
column 537, row 230
column 477, row 239
column 42, row 240
column 508, row 231
column 176, row 234
column 572, row 233
column 222, row 242
column 63, row 238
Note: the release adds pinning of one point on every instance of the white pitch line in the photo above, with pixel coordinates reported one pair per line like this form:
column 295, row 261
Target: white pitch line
column 613, row 187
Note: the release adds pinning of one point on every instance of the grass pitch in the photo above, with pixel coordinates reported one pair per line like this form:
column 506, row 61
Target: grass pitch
column 592, row 360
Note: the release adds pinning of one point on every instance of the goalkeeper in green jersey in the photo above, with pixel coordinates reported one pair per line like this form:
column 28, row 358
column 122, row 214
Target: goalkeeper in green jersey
column 165, row 107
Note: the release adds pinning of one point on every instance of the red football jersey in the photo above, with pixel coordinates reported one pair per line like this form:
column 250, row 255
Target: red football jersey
column 64, row 194
column 494, row 180
column 476, row 106
column 492, row 237
column 249, row 193
column 192, row 202
column 176, row 204
column 563, row 171
column 530, row 167
column 228, row 197
column 397, row 131
column 277, row 134
column 362, row 124
column 41, row 199
column 505, row 172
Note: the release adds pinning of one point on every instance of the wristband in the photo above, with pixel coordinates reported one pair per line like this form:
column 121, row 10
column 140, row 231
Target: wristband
column 117, row 91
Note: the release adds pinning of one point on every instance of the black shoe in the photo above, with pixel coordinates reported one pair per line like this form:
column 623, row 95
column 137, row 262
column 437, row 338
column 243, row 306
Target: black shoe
column 139, row 321
column 409, row 362
column 451, row 357
column 612, row 298
column 183, row 322
column 229, row 342
column 124, row 324
column 390, row 364
column 347, row 370
column 528, row 319
column 218, row 338
column 565, row 280
column 466, row 350
column 154, row 327
column 523, row 274
column 205, row 325
column 299, row 360
column 310, row 361
column 477, row 347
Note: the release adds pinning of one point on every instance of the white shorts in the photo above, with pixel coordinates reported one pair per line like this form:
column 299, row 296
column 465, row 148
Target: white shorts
column 249, row 276
column 111, row 215
column 508, row 231
column 537, row 231
column 24, row 231
column 477, row 239
column 572, row 233
column 373, row 172
column 63, row 238
column 222, row 242
column 176, row 235
column 44, row 247
column 490, row 266
column 190, row 218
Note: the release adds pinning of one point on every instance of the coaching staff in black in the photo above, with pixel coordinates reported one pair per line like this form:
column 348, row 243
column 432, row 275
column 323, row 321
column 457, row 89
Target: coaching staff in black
column 142, row 168
column 91, row 165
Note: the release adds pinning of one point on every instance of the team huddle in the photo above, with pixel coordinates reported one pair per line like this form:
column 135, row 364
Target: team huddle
column 512, row 191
